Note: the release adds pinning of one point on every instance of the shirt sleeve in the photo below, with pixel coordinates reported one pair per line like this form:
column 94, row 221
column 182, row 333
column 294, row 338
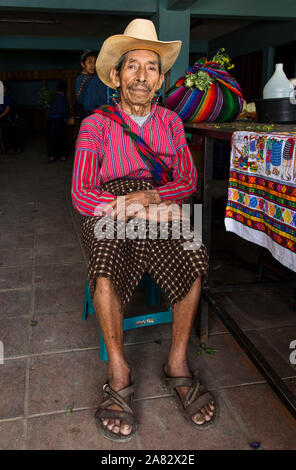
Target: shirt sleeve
column 86, row 194
column 184, row 171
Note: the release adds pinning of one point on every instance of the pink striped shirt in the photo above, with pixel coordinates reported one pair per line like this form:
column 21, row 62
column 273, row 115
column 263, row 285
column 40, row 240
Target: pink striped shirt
column 104, row 153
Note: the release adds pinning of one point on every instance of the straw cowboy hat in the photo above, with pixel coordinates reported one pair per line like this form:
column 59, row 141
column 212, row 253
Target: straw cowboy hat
column 139, row 34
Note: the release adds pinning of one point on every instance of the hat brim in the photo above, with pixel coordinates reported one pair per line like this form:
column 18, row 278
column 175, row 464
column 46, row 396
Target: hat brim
column 115, row 46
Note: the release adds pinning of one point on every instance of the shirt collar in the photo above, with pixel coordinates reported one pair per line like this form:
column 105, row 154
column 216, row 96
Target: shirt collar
column 125, row 115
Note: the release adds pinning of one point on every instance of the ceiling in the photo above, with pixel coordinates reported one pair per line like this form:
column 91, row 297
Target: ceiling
column 19, row 23
column 62, row 24
column 209, row 29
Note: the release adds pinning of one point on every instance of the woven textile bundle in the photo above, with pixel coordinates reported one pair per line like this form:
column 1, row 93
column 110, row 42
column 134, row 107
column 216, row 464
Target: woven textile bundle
column 221, row 101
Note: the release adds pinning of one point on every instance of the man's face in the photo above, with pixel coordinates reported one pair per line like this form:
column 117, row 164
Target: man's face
column 89, row 65
column 139, row 78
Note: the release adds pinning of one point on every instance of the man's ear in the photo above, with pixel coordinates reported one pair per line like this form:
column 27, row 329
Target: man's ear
column 114, row 76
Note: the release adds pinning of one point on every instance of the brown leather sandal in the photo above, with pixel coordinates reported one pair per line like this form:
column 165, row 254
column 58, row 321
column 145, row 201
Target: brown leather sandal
column 197, row 397
column 127, row 415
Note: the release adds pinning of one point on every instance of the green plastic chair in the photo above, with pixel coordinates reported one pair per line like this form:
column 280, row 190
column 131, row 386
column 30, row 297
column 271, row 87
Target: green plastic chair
column 152, row 295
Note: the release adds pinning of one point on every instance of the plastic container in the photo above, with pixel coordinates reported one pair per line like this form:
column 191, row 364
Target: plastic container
column 278, row 86
column 276, row 110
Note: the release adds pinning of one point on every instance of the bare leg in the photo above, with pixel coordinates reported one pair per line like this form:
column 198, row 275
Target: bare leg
column 108, row 310
column 183, row 318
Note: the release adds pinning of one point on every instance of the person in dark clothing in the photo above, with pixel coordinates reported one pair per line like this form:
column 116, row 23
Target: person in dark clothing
column 8, row 123
column 57, row 115
column 91, row 92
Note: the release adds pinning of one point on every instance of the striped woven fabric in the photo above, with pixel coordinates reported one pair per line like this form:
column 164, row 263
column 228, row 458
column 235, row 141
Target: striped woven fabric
column 223, row 101
column 159, row 170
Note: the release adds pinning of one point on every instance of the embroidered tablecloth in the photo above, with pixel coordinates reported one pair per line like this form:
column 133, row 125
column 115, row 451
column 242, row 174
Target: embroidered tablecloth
column 261, row 204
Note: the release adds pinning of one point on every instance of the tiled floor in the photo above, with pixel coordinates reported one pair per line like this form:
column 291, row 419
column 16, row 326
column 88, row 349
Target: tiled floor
column 51, row 361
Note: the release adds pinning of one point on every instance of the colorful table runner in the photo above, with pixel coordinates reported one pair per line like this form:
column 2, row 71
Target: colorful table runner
column 261, row 204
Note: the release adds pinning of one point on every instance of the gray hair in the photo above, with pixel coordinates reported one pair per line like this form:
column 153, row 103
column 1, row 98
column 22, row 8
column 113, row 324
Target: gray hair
column 122, row 60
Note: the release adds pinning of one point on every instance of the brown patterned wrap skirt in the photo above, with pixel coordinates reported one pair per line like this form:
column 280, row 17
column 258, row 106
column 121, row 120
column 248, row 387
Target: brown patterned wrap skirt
column 125, row 261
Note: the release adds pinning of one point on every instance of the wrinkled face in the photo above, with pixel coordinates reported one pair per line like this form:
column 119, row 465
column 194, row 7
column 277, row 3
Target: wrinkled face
column 139, row 78
column 89, row 65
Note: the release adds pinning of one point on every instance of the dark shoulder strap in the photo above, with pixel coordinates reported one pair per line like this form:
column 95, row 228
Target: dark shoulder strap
column 159, row 170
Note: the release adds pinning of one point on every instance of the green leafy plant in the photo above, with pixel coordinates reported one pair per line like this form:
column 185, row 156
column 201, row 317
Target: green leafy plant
column 70, row 409
column 45, row 97
column 206, row 350
column 223, row 59
column 202, row 79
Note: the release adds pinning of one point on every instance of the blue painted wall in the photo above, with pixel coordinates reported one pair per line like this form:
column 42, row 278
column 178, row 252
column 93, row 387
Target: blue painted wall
column 15, row 60
column 25, row 94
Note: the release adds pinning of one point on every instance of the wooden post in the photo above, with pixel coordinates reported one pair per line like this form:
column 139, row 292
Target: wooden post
column 167, row 78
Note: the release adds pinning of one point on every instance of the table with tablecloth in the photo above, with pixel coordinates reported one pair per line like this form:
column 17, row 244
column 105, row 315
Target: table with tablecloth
column 261, row 205
column 265, row 171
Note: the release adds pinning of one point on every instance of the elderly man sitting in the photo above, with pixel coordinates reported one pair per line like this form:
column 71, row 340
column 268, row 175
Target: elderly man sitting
column 137, row 151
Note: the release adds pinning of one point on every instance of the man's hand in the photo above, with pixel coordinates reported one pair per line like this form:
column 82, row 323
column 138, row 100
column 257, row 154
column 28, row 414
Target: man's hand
column 145, row 205
column 164, row 212
column 143, row 198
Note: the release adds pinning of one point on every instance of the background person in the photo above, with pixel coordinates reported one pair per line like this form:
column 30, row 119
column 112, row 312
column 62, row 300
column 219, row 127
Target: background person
column 91, row 92
column 57, row 115
column 9, row 124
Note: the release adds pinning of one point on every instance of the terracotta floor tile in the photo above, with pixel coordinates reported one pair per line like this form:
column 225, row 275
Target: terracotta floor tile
column 78, row 431
column 64, row 331
column 56, row 218
column 12, row 435
column 163, row 427
column 215, row 324
column 11, row 221
column 16, row 277
column 58, row 380
column 272, row 308
column 16, row 237
column 54, row 229
column 60, row 299
column 229, row 365
column 274, row 344
column 46, row 208
column 264, row 416
column 57, row 274
column 15, row 302
column 12, row 390
column 15, row 257
column 62, row 236
column 53, row 254
column 14, row 334
column 54, row 194
column 60, row 288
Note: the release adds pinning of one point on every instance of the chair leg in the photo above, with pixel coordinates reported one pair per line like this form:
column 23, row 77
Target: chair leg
column 85, row 309
column 152, row 291
column 103, row 351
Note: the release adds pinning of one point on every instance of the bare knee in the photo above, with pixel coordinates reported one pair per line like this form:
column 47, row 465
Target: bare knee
column 196, row 286
column 105, row 292
column 103, row 283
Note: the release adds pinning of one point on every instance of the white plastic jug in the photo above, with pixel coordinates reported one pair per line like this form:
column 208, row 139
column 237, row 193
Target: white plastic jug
column 278, row 86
